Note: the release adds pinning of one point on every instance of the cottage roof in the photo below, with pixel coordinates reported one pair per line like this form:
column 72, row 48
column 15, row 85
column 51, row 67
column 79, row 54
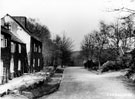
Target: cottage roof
column 22, row 24
column 15, row 38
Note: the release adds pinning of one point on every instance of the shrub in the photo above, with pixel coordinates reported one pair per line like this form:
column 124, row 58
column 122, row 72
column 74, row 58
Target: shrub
column 111, row 65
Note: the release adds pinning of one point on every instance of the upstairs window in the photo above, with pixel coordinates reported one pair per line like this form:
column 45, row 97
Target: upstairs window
column 38, row 62
column 3, row 41
column 13, row 47
column 39, row 49
column 33, row 62
column 35, row 48
column 19, row 48
column 19, row 65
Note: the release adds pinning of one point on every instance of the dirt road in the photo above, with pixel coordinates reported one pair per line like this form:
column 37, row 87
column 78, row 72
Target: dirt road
column 79, row 83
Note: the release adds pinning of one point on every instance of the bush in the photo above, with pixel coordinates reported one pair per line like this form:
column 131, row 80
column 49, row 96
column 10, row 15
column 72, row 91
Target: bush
column 111, row 65
column 131, row 70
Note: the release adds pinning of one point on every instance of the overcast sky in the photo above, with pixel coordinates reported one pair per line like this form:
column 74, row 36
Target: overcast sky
column 75, row 18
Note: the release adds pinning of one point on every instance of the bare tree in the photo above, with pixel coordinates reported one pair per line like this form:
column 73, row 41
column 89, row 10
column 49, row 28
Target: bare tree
column 128, row 29
column 66, row 48
column 56, row 50
column 63, row 49
column 101, row 39
column 95, row 42
column 87, row 46
column 121, row 34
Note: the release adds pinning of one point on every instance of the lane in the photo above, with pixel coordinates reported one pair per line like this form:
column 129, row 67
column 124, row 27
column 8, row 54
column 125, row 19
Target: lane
column 79, row 83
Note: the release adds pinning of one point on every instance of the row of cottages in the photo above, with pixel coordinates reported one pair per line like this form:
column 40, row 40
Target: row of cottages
column 13, row 58
column 21, row 51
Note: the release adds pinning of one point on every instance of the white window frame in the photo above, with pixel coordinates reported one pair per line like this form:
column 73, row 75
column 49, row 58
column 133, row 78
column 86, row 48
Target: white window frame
column 3, row 41
column 13, row 47
column 12, row 65
column 19, row 48
column 34, row 47
column 34, row 61
column 39, row 49
column 38, row 61
column 19, row 65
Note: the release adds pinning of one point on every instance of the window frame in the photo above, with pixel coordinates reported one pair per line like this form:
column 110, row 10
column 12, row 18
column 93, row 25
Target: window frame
column 19, row 65
column 39, row 49
column 3, row 41
column 19, row 48
column 34, row 62
column 38, row 62
column 13, row 45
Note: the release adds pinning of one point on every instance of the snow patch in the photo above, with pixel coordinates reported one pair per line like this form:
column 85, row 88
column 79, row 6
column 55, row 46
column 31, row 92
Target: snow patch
column 27, row 80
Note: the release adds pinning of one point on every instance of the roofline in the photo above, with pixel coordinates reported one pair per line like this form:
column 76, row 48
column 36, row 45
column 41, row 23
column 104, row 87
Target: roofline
column 26, row 30
column 18, row 42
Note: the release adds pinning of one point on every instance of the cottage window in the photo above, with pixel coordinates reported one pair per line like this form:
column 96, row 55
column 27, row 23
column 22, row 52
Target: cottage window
column 35, row 49
column 33, row 62
column 39, row 49
column 12, row 65
column 19, row 48
column 19, row 65
column 3, row 41
column 12, row 47
column 38, row 62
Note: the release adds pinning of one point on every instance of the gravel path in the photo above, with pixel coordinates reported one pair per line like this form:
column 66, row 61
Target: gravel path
column 79, row 83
